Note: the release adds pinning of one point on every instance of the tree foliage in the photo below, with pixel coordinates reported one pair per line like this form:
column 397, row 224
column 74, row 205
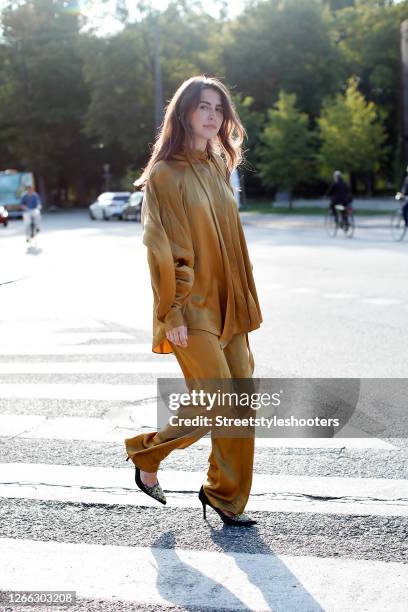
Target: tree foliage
column 43, row 98
column 286, row 146
column 282, row 45
column 73, row 100
column 351, row 132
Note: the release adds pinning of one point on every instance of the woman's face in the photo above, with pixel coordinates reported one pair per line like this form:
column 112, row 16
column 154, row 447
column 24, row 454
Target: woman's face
column 206, row 119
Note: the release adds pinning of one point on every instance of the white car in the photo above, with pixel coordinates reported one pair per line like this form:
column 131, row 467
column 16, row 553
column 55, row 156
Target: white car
column 109, row 204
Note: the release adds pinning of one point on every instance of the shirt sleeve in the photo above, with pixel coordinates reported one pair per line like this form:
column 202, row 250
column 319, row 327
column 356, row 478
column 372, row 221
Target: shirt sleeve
column 164, row 192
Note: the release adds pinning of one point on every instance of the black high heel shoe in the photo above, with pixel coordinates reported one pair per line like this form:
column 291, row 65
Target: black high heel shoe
column 155, row 491
column 240, row 520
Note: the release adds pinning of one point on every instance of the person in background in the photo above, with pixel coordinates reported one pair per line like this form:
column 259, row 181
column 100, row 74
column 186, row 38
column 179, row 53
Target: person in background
column 404, row 193
column 31, row 205
column 339, row 193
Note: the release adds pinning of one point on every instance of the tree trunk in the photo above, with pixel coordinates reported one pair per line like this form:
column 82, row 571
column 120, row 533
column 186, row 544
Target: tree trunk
column 80, row 192
column 370, row 183
column 353, row 183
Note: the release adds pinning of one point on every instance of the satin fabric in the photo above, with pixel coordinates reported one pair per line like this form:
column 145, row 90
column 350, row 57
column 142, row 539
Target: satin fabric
column 229, row 476
column 200, row 270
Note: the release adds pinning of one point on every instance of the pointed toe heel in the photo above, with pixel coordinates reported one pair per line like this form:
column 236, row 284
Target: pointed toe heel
column 239, row 520
column 155, row 491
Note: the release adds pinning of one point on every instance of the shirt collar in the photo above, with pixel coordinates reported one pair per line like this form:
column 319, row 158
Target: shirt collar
column 195, row 155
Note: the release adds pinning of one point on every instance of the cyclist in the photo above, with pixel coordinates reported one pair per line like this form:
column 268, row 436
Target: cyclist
column 31, row 205
column 404, row 193
column 340, row 193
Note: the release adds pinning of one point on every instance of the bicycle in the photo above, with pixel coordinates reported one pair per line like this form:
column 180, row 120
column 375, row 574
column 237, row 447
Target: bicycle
column 344, row 219
column 398, row 225
column 32, row 228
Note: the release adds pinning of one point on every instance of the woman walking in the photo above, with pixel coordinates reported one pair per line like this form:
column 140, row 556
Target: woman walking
column 205, row 300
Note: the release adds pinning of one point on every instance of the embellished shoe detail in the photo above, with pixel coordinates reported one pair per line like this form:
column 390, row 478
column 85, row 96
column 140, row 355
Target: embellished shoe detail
column 241, row 517
column 155, row 491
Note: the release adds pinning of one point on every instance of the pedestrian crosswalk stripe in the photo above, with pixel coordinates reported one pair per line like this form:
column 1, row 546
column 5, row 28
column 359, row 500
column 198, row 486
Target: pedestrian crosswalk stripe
column 79, row 391
column 49, row 325
column 340, row 296
column 270, row 493
column 122, row 423
column 43, row 348
column 60, row 339
column 379, row 301
column 231, row 580
column 86, row 367
column 304, row 290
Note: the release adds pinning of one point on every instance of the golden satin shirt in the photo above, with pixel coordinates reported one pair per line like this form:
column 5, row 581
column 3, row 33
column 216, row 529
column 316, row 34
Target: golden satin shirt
column 200, row 270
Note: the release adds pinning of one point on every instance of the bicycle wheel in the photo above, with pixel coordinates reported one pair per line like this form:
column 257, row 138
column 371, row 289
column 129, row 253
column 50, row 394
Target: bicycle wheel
column 349, row 232
column 330, row 224
column 398, row 227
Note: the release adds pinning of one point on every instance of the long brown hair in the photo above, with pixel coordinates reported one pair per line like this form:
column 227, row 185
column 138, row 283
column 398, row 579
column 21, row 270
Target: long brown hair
column 175, row 133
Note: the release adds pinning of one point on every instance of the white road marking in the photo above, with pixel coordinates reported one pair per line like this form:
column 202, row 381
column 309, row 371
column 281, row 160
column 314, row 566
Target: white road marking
column 120, row 423
column 78, row 391
column 340, row 296
column 234, row 581
column 61, row 339
column 274, row 286
column 95, row 367
column 381, row 301
column 71, row 349
column 48, row 325
column 270, row 493
column 304, row 290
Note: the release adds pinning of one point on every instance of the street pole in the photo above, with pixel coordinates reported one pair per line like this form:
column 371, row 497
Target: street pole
column 404, row 62
column 158, row 83
column 107, row 176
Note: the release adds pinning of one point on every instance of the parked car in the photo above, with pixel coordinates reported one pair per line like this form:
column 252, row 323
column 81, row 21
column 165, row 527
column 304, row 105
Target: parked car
column 133, row 210
column 109, row 204
column 4, row 216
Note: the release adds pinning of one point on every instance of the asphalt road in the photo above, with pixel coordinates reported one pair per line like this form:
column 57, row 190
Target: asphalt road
column 331, row 306
column 75, row 334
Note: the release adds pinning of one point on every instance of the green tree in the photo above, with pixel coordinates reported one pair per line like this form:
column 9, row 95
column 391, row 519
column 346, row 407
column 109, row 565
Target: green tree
column 352, row 135
column 286, row 150
column 368, row 39
column 120, row 114
column 337, row 5
column 43, row 97
column 282, row 45
column 252, row 122
column 119, row 72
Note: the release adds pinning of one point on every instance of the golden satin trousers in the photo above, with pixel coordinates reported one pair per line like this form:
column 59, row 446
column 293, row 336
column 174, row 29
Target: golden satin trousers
column 229, row 476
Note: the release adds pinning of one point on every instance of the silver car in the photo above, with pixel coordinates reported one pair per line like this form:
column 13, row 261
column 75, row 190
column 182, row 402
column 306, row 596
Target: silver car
column 133, row 210
column 109, row 204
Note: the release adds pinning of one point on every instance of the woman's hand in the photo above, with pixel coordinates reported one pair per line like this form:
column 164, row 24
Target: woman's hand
column 178, row 335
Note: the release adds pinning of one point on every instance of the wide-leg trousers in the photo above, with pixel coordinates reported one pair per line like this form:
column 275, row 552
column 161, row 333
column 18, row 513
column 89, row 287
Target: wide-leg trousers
column 229, row 476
